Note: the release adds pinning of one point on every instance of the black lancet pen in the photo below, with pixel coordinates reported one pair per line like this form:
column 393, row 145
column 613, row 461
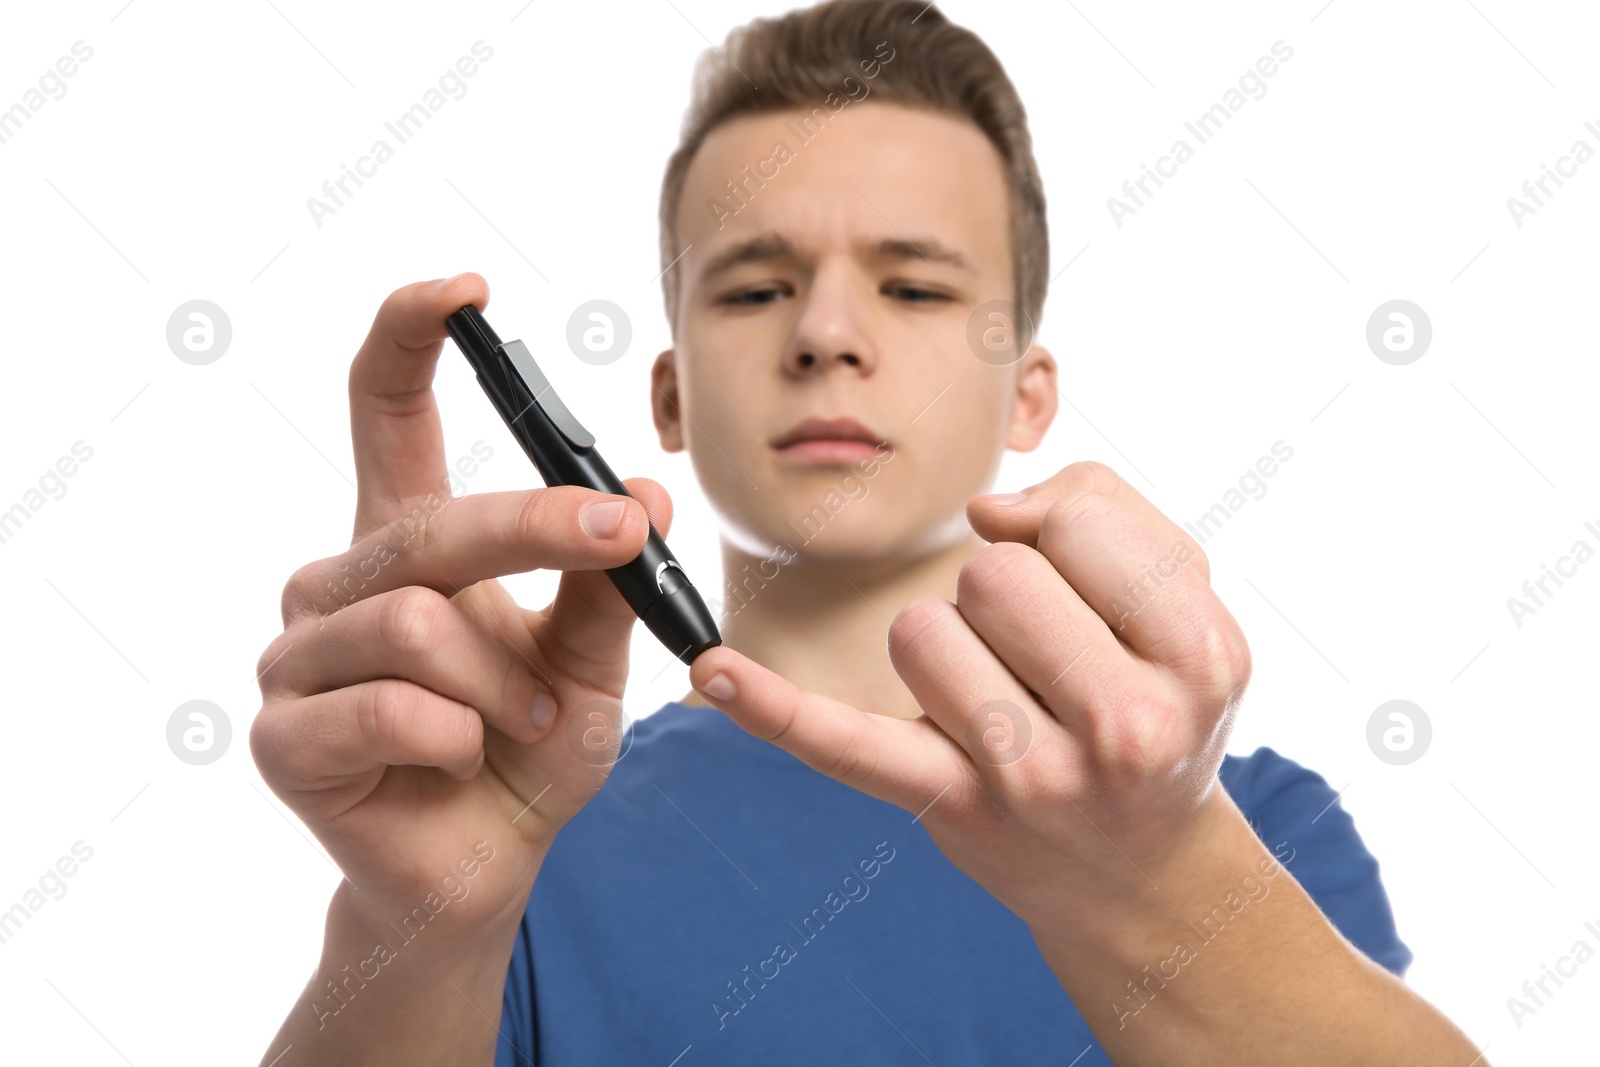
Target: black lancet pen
column 653, row 583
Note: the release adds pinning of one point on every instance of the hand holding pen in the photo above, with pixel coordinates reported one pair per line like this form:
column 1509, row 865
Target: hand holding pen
column 403, row 661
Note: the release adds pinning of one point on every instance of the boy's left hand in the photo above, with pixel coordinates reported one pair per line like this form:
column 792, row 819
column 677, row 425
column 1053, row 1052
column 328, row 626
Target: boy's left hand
column 1077, row 698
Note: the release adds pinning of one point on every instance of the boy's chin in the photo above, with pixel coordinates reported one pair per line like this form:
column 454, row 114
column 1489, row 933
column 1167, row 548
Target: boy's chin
column 867, row 540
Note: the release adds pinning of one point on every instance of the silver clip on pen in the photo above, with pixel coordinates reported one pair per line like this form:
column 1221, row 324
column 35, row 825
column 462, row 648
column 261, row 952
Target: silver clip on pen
column 653, row 583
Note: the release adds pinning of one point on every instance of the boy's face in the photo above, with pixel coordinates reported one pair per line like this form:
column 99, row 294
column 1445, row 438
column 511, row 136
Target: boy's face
column 832, row 314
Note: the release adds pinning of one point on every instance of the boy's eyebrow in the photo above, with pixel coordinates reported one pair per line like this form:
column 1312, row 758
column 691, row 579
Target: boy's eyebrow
column 758, row 249
column 766, row 247
column 928, row 248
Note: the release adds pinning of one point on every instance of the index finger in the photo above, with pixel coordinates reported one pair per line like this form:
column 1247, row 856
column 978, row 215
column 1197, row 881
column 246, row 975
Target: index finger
column 906, row 762
column 450, row 545
column 394, row 421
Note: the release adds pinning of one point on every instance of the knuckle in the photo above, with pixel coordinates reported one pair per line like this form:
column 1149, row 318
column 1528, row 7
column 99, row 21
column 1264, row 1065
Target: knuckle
column 851, row 765
column 912, row 620
column 398, row 301
column 1091, row 475
column 415, row 532
column 1126, row 731
column 994, row 570
column 1081, row 488
column 1068, row 509
column 387, row 712
column 782, row 732
column 300, row 591
column 1226, row 663
column 1108, row 709
column 269, row 657
column 1132, row 753
column 466, row 732
column 538, row 514
column 409, row 619
column 1213, row 659
column 263, row 737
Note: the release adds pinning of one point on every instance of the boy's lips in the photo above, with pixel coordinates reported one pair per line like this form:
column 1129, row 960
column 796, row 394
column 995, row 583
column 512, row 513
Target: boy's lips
column 828, row 450
column 816, row 431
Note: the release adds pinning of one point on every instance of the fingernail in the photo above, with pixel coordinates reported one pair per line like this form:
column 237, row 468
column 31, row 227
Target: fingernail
column 481, row 753
column 445, row 284
column 544, row 709
column 720, row 686
column 602, row 519
column 1006, row 498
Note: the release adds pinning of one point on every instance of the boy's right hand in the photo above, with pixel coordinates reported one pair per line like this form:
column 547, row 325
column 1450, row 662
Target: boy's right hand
column 403, row 661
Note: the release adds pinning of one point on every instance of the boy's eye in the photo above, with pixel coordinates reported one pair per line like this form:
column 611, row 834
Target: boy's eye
column 912, row 294
column 753, row 297
column 916, row 295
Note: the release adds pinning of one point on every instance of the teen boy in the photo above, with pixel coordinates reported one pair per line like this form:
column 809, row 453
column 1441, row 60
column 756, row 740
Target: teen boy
column 1025, row 843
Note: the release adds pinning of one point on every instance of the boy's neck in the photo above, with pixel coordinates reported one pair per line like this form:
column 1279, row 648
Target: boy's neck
column 825, row 628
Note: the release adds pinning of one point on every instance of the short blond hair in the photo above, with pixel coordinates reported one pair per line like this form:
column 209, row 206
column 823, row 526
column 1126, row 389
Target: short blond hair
column 799, row 58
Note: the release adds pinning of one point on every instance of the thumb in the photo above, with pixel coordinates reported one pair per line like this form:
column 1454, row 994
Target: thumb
column 590, row 624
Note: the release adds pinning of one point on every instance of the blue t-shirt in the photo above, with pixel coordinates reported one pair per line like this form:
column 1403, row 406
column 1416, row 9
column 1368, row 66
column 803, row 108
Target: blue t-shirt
column 719, row 902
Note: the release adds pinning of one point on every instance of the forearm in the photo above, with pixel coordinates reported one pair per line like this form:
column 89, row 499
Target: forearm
column 1209, row 967
column 376, row 998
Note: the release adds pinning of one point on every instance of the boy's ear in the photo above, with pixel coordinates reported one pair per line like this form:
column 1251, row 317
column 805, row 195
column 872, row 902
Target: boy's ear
column 664, row 400
column 1036, row 400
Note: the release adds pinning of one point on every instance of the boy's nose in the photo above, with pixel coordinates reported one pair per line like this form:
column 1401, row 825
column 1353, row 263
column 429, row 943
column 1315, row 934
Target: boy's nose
column 833, row 326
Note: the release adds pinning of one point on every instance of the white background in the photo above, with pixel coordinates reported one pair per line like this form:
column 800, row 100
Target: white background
column 1227, row 314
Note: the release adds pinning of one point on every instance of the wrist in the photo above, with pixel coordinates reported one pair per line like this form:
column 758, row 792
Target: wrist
column 1217, row 860
column 390, row 992
column 435, row 926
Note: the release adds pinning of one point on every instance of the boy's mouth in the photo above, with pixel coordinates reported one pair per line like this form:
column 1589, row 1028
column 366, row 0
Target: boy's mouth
column 827, row 440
